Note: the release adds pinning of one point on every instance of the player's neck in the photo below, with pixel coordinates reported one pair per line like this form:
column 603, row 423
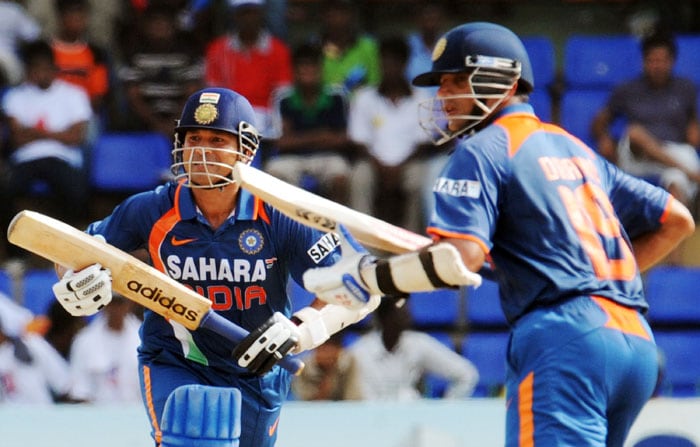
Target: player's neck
column 216, row 204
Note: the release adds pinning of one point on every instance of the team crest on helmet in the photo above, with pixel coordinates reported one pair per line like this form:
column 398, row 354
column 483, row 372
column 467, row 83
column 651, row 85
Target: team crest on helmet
column 251, row 242
column 205, row 114
column 439, row 48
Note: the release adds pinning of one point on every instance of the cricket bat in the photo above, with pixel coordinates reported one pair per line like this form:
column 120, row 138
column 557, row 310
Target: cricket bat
column 67, row 246
column 324, row 214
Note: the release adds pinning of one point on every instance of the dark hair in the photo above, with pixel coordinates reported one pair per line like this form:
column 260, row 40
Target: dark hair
column 63, row 6
column 307, row 53
column 660, row 39
column 394, row 46
column 33, row 50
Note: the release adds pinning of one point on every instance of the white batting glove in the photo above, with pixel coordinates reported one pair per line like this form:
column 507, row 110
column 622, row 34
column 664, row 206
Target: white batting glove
column 341, row 282
column 267, row 345
column 85, row 292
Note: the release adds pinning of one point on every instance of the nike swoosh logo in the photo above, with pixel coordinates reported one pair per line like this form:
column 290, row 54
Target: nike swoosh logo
column 175, row 241
column 273, row 428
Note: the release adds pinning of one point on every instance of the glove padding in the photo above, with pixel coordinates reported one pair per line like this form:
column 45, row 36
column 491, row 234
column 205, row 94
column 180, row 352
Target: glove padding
column 341, row 282
column 267, row 345
column 85, row 292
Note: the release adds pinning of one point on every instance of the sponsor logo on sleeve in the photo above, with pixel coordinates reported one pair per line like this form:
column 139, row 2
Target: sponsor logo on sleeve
column 458, row 188
column 323, row 247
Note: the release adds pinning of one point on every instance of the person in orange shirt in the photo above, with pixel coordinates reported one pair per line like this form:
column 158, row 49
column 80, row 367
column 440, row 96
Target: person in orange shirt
column 250, row 60
column 79, row 61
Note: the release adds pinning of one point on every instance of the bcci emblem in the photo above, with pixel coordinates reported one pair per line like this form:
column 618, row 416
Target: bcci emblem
column 206, row 114
column 251, row 242
column 439, row 48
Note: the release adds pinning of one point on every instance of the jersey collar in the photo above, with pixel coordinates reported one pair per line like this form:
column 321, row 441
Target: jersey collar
column 245, row 206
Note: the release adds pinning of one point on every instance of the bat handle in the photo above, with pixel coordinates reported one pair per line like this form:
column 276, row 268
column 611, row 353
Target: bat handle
column 235, row 333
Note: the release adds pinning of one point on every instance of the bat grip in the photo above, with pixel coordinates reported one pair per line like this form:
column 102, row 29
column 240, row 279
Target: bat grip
column 235, row 333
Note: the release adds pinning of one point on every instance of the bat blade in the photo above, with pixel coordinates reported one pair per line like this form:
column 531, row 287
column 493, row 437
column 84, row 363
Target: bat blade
column 65, row 245
column 324, row 214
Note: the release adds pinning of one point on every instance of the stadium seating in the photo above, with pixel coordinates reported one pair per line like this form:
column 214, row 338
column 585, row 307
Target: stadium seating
column 687, row 62
column 680, row 350
column 540, row 49
column 129, row 161
column 672, row 293
column 38, row 295
column 577, row 110
column 5, row 283
column 593, row 66
column 487, row 350
column 483, row 309
column 600, row 62
column 436, row 309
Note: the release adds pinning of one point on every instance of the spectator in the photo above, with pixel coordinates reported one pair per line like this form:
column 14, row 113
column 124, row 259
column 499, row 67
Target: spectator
column 102, row 356
column 393, row 359
column 312, row 122
column 62, row 329
column 16, row 27
column 249, row 59
column 48, row 119
column 662, row 131
column 31, row 371
column 79, row 61
column 330, row 373
column 351, row 58
column 430, row 24
column 384, row 120
column 161, row 71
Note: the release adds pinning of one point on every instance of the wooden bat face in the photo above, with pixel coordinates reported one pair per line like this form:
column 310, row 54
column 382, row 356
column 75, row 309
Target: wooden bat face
column 318, row 212
column 137, row 281
column 134, row 279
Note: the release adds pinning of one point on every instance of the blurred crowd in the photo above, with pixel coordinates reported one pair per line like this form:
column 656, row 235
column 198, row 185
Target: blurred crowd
column 337, row 111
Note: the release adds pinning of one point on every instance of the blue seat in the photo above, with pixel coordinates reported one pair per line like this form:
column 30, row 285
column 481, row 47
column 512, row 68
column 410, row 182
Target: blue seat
column 541, row 101
column 681, row 358
column 687, row 63
column 600, row 62
column 484, row 307
column 38, row 293
column 672, row 293
column 5, row 283
column 540, row 50
column 129, row 161
column 487, row 351
column 577, row 110
column 439, row 308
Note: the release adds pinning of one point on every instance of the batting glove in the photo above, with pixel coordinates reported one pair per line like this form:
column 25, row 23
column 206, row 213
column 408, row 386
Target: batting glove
column 85, row 292
column 341, row 282
column 267, row 345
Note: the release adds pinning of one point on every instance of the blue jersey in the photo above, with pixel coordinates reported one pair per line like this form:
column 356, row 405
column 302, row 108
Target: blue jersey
column 242, row 267
column 554, row 218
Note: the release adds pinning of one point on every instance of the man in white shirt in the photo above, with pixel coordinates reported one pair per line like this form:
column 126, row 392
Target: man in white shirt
column 31, row 370
column 384, row 120
column 103, row 356
column 48, row 121
column 393, row 359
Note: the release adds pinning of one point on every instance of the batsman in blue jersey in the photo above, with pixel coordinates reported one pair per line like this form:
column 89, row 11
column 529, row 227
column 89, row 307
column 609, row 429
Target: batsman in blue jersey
column 229, row 246
column 563, row 232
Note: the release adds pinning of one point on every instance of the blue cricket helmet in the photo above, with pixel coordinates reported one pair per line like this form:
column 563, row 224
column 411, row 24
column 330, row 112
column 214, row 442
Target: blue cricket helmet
column 454, row 49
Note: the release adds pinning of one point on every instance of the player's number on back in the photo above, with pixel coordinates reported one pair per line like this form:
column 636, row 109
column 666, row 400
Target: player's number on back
column 593, row 218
